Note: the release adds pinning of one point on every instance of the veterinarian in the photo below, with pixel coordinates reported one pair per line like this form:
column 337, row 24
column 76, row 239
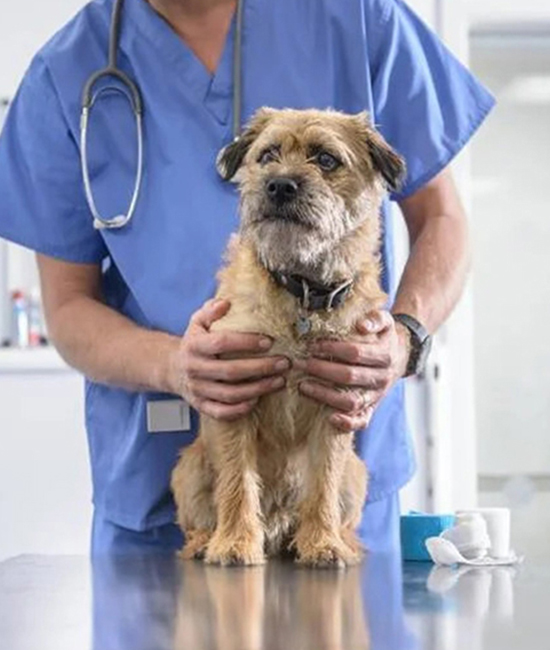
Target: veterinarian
column 129, row 307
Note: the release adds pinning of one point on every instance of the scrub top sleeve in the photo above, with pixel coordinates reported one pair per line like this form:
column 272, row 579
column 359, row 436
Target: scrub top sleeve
column 42, row 201
column 426, row 103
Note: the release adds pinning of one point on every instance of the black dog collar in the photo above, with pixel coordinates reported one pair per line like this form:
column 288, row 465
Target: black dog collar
column 312, row 295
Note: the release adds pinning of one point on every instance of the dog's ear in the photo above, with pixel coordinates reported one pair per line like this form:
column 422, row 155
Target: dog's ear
column 231, row 157
column 386, row 161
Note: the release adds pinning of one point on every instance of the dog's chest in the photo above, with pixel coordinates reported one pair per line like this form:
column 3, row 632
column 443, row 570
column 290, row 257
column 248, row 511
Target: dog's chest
column 293, row 332
column 287, row 416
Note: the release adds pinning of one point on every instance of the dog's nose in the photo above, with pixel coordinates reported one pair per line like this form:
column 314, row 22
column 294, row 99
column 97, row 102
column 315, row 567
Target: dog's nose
column 282, row 189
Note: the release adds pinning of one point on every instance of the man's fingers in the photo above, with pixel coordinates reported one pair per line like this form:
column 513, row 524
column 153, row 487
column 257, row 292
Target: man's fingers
column 350, row 423
column 349, row 402
column 226, row 412
column 343, row 374
column 237, row 370
column 220, row 343
column 211, row 311
column 351, row 353
column 234, row 394
column 375, row 322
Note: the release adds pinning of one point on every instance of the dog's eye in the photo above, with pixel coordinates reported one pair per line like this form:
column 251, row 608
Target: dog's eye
column 327, row 162
column 268, row 155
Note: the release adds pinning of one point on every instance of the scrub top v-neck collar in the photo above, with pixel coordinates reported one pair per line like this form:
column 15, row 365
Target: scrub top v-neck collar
column 214, row 91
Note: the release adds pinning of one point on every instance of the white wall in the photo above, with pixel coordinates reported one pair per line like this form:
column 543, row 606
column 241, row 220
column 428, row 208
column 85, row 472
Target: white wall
column 507, row 12
column 25, row 25
column 512, row 240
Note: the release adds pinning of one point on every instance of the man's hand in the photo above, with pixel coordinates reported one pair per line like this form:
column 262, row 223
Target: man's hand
column 225, row 389
column 367, row 369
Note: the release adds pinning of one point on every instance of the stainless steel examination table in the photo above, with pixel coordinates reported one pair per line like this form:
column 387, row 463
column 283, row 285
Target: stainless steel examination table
column 159, row 603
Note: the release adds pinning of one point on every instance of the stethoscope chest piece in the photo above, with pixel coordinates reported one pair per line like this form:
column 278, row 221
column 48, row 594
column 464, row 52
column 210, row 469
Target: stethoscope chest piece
column 128, row 89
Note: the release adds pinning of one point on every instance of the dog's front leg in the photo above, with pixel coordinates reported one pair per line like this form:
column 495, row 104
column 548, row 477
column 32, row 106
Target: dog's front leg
column 239, row 534
column 318, row 539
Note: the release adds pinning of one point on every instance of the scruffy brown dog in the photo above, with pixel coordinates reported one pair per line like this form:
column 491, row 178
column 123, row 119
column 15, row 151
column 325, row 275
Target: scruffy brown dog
column 304, row 266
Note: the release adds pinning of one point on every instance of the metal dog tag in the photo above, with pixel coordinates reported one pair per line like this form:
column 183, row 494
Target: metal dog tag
column 303, row 325
column 168, row 416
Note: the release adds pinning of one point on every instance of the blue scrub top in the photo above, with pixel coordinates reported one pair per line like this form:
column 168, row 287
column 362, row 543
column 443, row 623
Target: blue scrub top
column 353, row 55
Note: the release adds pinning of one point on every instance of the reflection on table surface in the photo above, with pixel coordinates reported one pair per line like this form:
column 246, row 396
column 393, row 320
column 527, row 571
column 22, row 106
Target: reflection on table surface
column 161, row 603
column 192, row 605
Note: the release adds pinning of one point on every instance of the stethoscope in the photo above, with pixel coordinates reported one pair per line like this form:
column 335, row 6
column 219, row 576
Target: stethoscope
column 132, row 93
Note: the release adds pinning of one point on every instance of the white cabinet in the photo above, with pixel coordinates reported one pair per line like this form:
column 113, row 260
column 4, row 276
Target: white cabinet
column 45, row 488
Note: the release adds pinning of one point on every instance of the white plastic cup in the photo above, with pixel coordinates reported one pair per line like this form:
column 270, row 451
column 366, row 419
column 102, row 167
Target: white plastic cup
column 498, row 527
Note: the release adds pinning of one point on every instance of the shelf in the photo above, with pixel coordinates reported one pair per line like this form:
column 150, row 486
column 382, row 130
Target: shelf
column 31, row 360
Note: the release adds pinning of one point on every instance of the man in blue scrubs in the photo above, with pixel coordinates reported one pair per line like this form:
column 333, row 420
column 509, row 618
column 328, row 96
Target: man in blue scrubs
column 129, row 307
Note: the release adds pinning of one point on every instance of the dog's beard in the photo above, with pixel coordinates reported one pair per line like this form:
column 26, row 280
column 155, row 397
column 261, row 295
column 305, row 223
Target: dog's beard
column 303, row 238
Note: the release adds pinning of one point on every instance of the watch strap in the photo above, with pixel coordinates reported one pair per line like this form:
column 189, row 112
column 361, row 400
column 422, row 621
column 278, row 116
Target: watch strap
column 420, row 340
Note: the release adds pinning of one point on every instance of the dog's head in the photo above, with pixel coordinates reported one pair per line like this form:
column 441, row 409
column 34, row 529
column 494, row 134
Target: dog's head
column 308, row 179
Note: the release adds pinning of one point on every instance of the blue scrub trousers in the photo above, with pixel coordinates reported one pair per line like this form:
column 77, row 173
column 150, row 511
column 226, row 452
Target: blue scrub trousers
column 379, row 532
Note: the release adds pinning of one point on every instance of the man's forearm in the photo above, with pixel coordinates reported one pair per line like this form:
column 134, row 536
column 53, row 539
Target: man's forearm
column 111, row 349
column 439, row 260
column 436, row 271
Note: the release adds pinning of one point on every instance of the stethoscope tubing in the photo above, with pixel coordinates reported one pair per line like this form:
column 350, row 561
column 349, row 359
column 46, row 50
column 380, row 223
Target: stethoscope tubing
column 133, row 95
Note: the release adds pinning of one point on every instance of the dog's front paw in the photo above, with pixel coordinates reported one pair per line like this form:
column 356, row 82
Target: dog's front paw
column 326, row 552
column 235, row 551
column 195, row 545
column 325, row 557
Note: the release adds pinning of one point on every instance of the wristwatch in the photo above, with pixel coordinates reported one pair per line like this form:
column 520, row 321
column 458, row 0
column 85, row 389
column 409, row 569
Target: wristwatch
column 421, row 344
